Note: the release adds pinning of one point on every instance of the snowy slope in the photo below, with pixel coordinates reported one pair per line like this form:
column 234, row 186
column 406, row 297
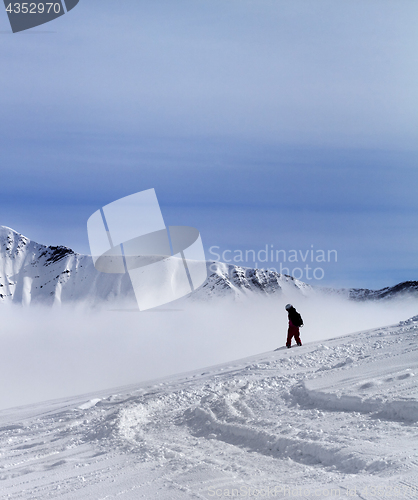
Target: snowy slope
column 335, row 418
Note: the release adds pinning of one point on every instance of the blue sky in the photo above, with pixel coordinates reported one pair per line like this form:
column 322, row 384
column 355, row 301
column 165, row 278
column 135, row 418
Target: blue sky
column 262, row 122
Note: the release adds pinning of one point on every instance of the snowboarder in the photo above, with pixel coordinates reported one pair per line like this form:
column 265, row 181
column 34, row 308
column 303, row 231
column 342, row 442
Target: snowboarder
column 295, row 322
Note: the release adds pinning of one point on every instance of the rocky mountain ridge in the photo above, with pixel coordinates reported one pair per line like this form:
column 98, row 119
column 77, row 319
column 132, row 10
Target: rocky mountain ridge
column 32, row 273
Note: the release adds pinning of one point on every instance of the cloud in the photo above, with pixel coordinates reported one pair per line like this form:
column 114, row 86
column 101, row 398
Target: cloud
column 326, row 73
column 56, row 353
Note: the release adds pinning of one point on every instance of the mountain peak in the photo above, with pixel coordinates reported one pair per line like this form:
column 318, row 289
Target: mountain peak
column 6, row 231
column 34, row 273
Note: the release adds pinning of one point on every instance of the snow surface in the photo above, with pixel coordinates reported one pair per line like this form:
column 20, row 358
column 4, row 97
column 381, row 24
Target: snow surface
column 335, row 418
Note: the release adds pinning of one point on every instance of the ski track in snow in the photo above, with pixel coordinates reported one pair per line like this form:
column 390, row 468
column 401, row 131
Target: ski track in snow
column 334, row 418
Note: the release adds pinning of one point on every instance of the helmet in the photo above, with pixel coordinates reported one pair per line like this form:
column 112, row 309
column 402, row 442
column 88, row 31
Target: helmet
column 288, row 306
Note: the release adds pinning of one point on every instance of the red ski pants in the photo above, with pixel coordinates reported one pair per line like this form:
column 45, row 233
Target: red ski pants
column 293, row 332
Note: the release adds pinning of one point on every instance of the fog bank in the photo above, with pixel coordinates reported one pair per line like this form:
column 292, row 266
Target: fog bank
column 53, row 353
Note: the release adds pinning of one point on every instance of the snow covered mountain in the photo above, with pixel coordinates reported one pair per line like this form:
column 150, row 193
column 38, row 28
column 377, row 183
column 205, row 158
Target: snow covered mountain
column 226, row 280
column 401, row 289
column 335, row 418
column 32, row 273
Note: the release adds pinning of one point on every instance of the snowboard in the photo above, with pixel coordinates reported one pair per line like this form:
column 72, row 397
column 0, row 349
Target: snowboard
column 285, row 347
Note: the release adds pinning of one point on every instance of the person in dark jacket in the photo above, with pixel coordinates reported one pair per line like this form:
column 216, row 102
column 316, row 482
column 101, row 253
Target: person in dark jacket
column 295, row 321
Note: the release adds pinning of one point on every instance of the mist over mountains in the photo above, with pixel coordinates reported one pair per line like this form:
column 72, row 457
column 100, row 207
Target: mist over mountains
column 32, row 273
